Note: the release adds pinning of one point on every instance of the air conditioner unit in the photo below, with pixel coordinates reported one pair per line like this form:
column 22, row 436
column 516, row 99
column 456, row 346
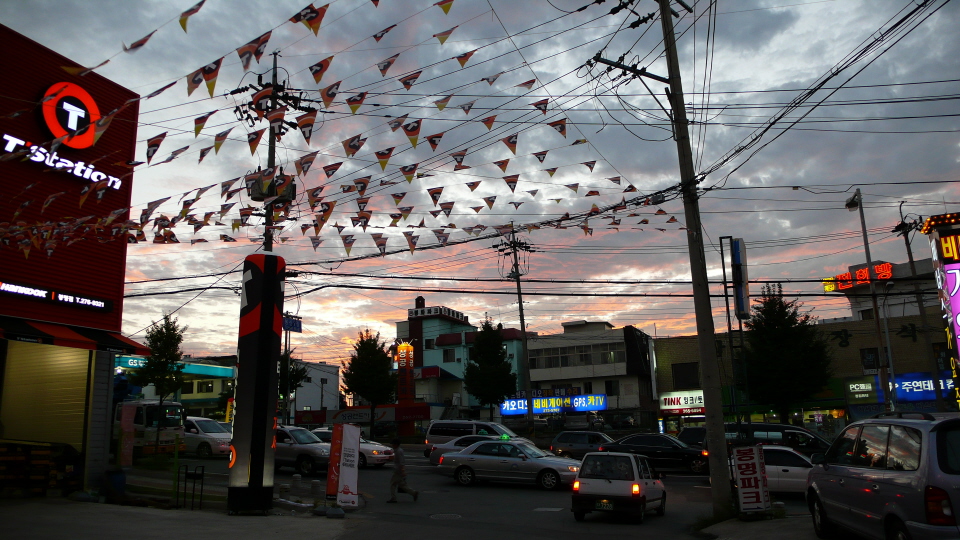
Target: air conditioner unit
column 257, row 193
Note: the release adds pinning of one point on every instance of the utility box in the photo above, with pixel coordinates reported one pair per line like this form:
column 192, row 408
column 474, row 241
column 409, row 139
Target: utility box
column 257, row 193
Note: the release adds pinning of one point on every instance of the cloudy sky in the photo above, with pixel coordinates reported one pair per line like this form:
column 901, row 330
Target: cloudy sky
column 886, row 123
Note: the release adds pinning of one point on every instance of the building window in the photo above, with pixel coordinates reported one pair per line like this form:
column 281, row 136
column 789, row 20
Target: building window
column 686, row 376
column 227, row 385
column 430, row 344
column 587, row 387
column 187, row 387
column 866, row 314
column 204, row 387
column 449, row 355
column 612, row 387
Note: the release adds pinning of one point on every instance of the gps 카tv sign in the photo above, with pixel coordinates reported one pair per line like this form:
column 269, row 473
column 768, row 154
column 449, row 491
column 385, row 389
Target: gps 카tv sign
column 67, row 188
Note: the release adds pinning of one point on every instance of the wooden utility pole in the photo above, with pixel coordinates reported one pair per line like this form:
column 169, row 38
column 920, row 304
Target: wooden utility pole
column 709, row 367
column 271, row 160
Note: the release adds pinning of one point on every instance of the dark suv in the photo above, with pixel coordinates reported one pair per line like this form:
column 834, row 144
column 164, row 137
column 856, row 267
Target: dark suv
column 576, row 444
column 662, row 451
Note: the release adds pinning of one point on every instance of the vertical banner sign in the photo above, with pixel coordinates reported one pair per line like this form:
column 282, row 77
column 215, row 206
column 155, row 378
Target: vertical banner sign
column 741, row 288
column 228, row 417
column 405, row 385
column 347, row 491
column 333, row 467
column 751, row 475
column 944, row 245
column 250, row 486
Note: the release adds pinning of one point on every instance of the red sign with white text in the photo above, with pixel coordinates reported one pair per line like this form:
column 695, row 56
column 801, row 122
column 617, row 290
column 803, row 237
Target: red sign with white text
column 67, row 193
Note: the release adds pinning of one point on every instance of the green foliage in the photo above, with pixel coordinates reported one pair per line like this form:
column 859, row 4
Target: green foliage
column 488, row 375
column 787, row 357
column 368, row 373
column 162, row 368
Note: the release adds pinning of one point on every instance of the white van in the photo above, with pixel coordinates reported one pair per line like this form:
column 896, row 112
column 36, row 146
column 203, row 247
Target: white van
column 617, row 482
column 206, row 437
column 441, row 431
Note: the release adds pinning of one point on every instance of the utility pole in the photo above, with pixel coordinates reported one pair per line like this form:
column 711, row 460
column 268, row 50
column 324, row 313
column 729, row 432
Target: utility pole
column 856, row 201
column 709, row 366
column 271, row 163
column 514, row 246
column 903, row 229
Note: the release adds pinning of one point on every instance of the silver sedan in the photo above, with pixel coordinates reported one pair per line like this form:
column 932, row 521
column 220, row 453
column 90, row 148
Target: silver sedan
column 508, row 461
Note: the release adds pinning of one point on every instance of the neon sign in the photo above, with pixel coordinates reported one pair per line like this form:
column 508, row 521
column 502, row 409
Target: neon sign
column 40, row 154
column 859, row 276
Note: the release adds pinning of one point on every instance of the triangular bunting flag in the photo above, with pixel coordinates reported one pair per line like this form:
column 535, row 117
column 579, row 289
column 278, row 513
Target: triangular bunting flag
column 441, row 103
column 210, row 72
column 383, row 156
column 395, row 123
column 488, row 121
column 512, row 181
column 435, row 194
column 408, row 171
column 329, row 170
column 551, row 170
column 354, row 102
column 492, row 79
column 311, row 17
column 473, row 185
column 253, row 139
column 447, row 207
column 502, row 164
column 412, row 131
column 305, row 123
column 442, row 36
column 253, row 50
column 465, row 57
column 434, row 140
column 321, row 67
column 135, row 46
column 352, row 145
column 219, row 138
column 379, row 35
column 541, row 105
column 409, row 80
column 201, row 121
column 467, row 106
column 185, row 16
column 541, row 155
column 560, row 126
column 528, row 85
column 445, row 5
column 330, row 92
column 589, row 164
column 384, row 65
column 153, row 144
column 490, row 200
column 511, row 142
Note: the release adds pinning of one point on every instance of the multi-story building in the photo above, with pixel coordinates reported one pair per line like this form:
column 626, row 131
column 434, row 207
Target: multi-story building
column 442, row 339
column 591, row 358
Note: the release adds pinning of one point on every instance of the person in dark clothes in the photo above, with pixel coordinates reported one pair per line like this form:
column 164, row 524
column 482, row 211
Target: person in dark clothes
column 398, row 482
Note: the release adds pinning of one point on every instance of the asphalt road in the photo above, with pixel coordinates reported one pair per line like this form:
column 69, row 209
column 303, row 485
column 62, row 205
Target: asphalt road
column 496, row 510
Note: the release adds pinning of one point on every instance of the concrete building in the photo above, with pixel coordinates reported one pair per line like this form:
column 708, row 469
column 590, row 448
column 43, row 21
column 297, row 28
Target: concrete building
column 321, row 389
column 595, row 358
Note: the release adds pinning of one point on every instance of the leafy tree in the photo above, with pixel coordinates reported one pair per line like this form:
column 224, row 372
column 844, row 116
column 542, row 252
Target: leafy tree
column 488, row 375
column 368, row 373
column 296, row 373
column 163, row 368
column 787, row 357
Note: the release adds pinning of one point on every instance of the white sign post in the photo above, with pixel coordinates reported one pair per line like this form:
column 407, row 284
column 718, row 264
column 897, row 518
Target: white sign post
column 751, row 476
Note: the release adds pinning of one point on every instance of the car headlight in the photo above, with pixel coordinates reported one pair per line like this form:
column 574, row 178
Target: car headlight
column 573, row 468
column 375, row 452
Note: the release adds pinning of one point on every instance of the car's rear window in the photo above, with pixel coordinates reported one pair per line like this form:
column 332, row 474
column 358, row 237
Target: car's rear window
column 607, row 467
column 948, row 449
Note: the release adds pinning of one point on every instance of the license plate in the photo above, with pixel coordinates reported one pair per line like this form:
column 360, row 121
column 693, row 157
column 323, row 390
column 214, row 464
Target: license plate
column 604, row 505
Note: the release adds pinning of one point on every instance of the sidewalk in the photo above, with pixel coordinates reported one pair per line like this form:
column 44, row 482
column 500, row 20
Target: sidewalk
column 793, row 527
column 54, row 519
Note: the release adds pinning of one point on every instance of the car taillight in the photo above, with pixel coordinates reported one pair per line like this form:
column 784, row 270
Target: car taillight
column 441, row 461
column 551, row 448
column 600, row 449
column 704, row 453
column 426, row 441
column 636, row 489
column 939, row 511
column 576, row 485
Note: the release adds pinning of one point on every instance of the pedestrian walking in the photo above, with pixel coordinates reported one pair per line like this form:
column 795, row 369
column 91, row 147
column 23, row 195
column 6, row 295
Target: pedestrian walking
column 398, row 482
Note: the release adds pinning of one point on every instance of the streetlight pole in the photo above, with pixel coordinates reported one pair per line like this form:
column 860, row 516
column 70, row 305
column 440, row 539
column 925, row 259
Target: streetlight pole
column 856, row 201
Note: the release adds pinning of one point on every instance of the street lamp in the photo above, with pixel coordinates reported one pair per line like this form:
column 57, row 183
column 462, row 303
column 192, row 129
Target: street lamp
column 886, row 329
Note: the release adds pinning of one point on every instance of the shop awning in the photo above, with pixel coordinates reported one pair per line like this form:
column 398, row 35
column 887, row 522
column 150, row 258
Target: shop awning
column 68, row 336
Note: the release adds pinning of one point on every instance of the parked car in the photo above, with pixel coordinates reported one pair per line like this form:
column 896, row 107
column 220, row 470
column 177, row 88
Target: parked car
column 206, row 437
column 787, row 469
column 799, row 438
column 662, row 451
column 456, row 445
column 441, row 431
column 575, row 444
column 619, row 421
column 693, row 436
column 894, row 476
column 300, row 449
column 508, row 461
column 617, row 482
column 371, row 452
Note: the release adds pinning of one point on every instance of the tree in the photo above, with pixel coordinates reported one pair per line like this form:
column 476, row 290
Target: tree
column 296, row 373
column 787, row 357
column 488, row 375
column 163, row 368
column 368, row 373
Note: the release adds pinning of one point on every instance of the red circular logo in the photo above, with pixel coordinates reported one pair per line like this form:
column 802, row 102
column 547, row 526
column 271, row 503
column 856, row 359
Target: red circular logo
column 69, row 110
